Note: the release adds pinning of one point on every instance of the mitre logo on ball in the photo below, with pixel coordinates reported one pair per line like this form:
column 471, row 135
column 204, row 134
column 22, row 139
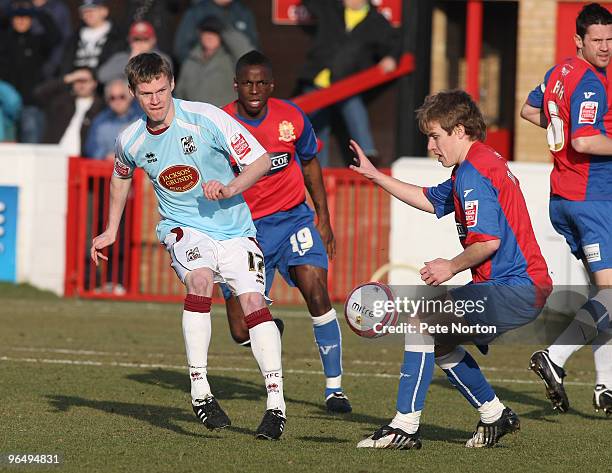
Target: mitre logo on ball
column 363, row 312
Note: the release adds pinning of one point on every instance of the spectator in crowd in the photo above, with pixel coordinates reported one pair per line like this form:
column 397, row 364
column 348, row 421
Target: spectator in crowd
column 207, row 74
column 120, row 111
column 142, row 39
column 60, row 13
column 230, row 12
column 22, row 55
column 350, row 36
column 95, row 41
column 159, row 13
column 70, row 103
column 10, row 108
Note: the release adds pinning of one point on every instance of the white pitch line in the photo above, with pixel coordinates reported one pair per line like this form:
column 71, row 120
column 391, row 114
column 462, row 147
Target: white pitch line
column 69, row 351
column 236, row 369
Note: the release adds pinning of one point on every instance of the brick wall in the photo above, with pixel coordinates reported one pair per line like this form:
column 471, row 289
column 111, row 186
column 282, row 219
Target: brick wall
column 535, row 55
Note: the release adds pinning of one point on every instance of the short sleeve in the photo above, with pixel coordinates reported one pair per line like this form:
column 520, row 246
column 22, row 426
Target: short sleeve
column 536, row 96
column 124, row 164
column 480, row 203
column 441, row 197
column 237, row 140
column 306, row 146
column 588, row 106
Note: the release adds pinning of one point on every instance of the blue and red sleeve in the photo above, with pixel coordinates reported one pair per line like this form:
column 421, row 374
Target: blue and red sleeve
column 306, row 146
column 588, row 105
column 441, row 197
column 536, row 96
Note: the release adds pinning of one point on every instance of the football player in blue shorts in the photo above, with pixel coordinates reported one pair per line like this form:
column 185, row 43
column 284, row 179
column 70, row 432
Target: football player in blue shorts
column 572, row 103
column 510, row 281
column 286, row 231
column 185, row 149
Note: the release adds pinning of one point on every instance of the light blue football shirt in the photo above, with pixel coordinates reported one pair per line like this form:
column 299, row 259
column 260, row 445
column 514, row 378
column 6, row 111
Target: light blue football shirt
column 195, row 149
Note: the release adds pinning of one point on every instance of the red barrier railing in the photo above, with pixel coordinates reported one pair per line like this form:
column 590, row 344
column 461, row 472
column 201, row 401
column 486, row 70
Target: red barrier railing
column 352, row 85
column 139, row 267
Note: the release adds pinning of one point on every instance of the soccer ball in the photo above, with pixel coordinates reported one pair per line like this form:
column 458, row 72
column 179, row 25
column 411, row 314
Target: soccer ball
column 367, row 310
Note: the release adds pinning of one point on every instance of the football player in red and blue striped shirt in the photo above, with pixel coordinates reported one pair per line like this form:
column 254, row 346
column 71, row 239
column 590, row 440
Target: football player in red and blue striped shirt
column 510, row 281
column 573, row 104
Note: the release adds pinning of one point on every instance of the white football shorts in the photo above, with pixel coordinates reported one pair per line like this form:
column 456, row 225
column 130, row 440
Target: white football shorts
column 238, row 262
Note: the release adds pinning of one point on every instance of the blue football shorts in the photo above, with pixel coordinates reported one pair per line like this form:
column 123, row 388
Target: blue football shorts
column 587, row 228
column 504, row 307
column 288, row 239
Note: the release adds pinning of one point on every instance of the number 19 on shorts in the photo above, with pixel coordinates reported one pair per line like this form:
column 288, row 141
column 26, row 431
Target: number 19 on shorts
column 301, row 241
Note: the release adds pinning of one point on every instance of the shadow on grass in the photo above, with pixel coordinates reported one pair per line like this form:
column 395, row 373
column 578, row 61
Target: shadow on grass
column 231, row 388
column 159, row 416
column 541, row 407
column 223, row 387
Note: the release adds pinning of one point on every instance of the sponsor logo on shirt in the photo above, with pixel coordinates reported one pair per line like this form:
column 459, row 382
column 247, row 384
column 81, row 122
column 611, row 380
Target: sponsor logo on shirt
column 588, row 95
column 466, row 192
column 188, row 145
column 588, row 112
column 121, row 169
column 286, row 131
column 240, row 145
column 471, row 213
column 179, row 178
column 592, row 253
column 280, row 161
column 151, row 158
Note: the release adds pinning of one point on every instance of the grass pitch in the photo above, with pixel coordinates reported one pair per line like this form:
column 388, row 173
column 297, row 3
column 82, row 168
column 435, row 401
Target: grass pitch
column 104, row 385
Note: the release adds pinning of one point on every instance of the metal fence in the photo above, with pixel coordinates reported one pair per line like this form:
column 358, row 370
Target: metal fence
column 139, row 267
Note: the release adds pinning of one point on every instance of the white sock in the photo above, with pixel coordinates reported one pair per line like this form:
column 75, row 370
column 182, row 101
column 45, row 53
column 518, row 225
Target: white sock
column 409, row 422
column 196, row 333
column 266, row 347
column 578, row 333
column 602, row 354
column 491, row 410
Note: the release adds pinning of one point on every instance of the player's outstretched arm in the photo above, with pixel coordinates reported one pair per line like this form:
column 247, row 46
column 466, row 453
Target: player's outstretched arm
column 119, row 190
column 313, row 178
column 534, row 115
column 214, row 190
column 441, row 270
column 404, row 191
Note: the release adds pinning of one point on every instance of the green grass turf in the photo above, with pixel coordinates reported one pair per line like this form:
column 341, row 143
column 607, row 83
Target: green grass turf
column 103, row 384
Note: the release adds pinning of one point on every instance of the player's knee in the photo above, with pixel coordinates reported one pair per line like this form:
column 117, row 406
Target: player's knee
column 603, row 278
column 251, row 302
column 199, row 282
column 313, row 285
column 446, row 350
column 600, row 308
